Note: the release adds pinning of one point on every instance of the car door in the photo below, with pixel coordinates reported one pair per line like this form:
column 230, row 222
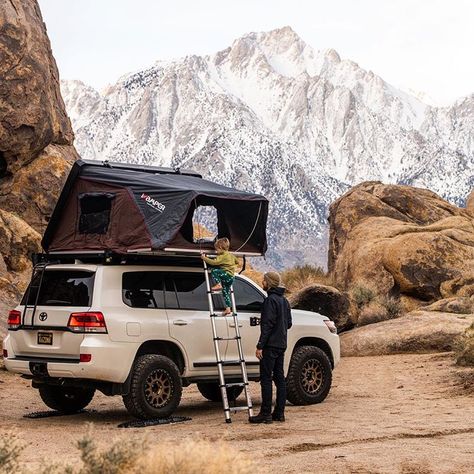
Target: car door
column 189, row 321
column 249, row 301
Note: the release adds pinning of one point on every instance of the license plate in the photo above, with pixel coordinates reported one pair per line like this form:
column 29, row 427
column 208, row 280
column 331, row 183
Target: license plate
column 45, row 338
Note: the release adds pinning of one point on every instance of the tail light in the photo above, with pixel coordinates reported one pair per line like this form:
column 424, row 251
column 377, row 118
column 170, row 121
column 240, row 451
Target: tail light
column 331, row 326
column 5, row 354
column 87, row 322
column 14, row 319
column 85, row 357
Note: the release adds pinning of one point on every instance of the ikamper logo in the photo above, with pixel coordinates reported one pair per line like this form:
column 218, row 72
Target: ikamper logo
column 153, row 202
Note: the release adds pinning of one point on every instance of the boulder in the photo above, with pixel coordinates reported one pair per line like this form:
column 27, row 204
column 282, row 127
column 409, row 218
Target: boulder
column 418, row 331
column 458, row 305
column 403, row 241
column 325, row 300
column 32, row 113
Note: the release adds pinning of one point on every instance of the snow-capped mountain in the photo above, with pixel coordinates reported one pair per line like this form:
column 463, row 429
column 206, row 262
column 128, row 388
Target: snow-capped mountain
column 272, row 115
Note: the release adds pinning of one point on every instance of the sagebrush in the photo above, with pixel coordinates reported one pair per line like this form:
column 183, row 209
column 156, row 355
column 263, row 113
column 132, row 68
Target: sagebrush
column 362, row 295
column 134, row 456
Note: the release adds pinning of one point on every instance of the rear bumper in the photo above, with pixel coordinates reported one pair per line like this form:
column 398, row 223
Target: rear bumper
column 110, row 362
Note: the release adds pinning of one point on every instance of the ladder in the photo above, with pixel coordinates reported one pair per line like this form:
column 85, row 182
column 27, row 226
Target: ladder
column 222, row 363
column 39, row 268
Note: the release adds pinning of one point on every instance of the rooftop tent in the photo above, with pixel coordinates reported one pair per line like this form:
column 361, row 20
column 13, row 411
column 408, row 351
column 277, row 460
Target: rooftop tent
column 132, row 208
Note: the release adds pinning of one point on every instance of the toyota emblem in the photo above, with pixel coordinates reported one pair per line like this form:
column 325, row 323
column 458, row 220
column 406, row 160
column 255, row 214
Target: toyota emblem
column 43, row 316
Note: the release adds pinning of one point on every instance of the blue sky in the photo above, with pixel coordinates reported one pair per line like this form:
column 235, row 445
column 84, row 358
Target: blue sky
column 426, row 45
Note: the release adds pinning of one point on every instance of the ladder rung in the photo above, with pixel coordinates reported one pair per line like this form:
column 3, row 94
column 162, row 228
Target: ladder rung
column 240, row 408
column 230, row 362
column 215, row 315
column 234, row 384
column 235, row 338
column 217, row 292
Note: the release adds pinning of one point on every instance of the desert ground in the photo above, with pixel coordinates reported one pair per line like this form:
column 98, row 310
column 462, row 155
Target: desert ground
column 398, row 413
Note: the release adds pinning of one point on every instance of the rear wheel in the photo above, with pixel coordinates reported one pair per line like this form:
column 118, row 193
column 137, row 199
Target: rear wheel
column 155, row 389
column 309, row 376
column 66, row 399
column 212, row 391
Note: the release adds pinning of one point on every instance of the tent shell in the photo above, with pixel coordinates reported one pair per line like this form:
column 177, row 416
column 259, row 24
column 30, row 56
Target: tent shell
column 127, row 208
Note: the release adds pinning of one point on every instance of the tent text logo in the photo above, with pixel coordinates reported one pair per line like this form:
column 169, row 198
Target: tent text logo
column 153, row 202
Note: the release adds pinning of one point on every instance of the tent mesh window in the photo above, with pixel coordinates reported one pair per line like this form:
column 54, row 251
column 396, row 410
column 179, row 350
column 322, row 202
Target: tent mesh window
column 94, row 208
column 205, row 224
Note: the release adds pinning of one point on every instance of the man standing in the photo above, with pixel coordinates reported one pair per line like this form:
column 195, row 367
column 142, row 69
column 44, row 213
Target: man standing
column 274, row 324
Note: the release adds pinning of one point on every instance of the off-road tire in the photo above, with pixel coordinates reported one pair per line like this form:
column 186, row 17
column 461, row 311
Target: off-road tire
column 155, row 387
column 212, row 391
column 300, row 388
column 66, row 399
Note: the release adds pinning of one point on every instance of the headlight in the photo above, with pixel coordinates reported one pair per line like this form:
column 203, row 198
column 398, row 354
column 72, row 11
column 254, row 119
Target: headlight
column 331, row 326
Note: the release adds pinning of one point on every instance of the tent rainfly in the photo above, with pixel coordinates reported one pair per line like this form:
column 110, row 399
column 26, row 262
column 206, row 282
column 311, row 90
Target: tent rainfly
column 126, row 208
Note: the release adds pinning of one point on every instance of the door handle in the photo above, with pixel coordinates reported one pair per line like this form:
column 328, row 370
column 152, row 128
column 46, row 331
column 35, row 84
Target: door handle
column 180, row 322
column 232, row 325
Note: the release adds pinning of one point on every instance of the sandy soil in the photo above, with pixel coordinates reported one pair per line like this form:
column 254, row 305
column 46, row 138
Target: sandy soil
column 402, row 413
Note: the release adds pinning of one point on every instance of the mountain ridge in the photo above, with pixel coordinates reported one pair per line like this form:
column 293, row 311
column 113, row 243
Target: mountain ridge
column 272, row 115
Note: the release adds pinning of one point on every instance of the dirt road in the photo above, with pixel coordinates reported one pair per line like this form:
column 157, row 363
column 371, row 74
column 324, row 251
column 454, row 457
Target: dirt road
column 403, row 413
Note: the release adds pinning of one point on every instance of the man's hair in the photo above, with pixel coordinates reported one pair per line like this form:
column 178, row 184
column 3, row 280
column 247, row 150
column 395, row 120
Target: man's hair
column 222, row 244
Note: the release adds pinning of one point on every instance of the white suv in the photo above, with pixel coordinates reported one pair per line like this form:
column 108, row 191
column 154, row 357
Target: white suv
column 144, row 332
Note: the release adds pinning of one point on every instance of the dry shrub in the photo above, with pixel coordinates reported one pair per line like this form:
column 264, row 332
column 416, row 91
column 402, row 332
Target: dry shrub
column 195, row 457
column 10, row 450
column 299, row 277
column 135, row 456
column 371, row 313
column 121, row 457
column 392, row 305
column 362, row 295
column 465, row 348
column 255, row 275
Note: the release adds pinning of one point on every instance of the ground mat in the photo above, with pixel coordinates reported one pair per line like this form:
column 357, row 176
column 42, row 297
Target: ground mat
column 50, row 413
column 154, row 422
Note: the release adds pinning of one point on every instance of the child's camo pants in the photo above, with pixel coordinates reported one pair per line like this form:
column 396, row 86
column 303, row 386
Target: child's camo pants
column 226, row 280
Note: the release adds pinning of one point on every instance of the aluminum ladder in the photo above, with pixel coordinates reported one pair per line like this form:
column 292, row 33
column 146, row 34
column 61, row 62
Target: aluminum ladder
column 38, row 269
column 222, row 363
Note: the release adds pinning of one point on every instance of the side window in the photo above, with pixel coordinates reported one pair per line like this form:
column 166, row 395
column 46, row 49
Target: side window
column 95, row 210
column 190, row 291
column 247, row 298
column 143, row 289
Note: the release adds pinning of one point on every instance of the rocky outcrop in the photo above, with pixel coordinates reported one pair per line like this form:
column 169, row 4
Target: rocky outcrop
column 36, row 138
column 403, row 241
column 418, row 331
column 325, row 300
column 31, row 108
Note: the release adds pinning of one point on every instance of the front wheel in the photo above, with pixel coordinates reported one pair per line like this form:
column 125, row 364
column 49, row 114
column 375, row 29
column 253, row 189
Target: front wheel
column 66, row 399
column 309, row 376
column 155, row 388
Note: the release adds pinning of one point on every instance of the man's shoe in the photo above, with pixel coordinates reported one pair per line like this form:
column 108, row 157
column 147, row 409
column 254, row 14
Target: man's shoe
column 277, row 417
column 261, row 418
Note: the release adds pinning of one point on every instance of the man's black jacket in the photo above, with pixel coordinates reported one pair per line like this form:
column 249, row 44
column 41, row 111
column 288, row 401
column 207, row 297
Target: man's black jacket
column 275, row 320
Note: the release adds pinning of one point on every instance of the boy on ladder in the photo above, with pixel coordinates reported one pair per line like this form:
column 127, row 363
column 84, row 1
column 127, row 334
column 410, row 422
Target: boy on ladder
column 225, row 266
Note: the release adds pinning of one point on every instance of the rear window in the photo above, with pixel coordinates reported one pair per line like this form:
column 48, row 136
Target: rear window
column 62, row 288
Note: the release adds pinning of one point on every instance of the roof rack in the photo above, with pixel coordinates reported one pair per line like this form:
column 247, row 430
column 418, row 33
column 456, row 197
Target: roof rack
column 143, row 168
column 168, row 257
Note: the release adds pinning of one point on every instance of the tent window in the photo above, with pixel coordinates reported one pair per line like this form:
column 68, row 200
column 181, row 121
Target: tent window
column 95, row 210
column 205, row 224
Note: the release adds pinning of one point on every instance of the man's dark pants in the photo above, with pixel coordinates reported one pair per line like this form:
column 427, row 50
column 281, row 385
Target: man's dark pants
column 271, row 368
